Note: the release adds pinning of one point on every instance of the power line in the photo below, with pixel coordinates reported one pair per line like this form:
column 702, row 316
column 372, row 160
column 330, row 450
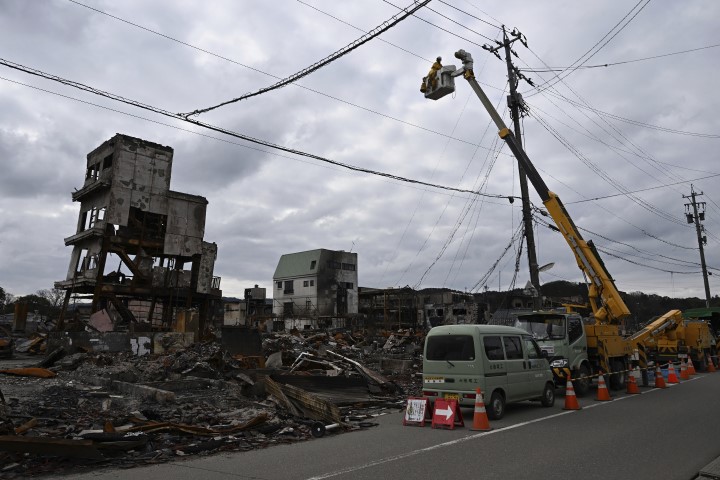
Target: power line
column 604, row 175
column 318, row 92
column 470, row 15
column 159, row 111
column 642, row 189
column 388, row 24
column 441, row 28
column 628, row 120
column 559, row 69
column 558, row 77
column 643, row 265
column 360, row 29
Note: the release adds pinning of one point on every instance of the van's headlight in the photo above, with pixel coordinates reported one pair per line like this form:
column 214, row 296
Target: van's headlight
column 561, row 363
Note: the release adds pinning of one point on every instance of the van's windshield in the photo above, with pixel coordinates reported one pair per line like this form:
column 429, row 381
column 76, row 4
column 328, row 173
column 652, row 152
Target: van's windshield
column 450, row 347
column 543, row 327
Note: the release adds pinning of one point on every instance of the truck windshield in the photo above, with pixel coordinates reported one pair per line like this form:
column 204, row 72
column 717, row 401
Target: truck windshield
column 543, row 328
column 450, row 347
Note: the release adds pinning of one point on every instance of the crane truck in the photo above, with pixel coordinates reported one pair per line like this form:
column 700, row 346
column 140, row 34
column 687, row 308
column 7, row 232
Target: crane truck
column 575, row 348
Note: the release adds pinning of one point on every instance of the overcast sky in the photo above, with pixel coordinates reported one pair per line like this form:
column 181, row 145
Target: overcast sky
column 365, row 109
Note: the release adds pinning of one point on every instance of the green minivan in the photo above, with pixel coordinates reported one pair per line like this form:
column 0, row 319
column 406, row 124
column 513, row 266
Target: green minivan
column 504, row 362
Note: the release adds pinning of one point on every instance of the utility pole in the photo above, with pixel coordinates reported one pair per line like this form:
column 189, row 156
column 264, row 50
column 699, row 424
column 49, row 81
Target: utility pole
column 696, row 217
column 517, row 108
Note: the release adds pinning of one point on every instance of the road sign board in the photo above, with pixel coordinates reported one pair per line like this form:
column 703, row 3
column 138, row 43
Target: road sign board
column 447, row 414
column 415, row 411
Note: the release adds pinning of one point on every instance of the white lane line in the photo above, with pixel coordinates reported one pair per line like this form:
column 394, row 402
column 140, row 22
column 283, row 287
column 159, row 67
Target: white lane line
column 435, row 447
column 468, row 438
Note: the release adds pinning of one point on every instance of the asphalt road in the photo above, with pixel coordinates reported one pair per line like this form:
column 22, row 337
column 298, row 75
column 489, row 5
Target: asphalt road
column 660, row 434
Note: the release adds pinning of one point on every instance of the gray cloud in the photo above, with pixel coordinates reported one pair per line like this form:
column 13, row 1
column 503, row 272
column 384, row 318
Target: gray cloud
column 263, row 205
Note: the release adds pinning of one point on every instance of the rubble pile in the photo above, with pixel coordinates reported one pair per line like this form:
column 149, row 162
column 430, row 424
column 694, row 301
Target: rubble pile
column 83, row 410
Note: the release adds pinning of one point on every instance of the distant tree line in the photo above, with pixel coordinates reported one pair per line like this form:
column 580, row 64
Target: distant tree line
column 46, row 302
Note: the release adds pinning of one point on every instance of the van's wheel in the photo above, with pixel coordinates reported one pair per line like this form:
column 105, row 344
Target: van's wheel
column 548, row 396
column 582, row 384
column 496, row 408
column 618, row 376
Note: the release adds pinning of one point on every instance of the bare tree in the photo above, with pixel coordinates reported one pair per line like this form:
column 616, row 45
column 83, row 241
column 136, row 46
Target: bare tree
column 54, row 296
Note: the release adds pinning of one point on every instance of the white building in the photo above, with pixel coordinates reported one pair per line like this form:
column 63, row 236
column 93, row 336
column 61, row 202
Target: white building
column 316, row 288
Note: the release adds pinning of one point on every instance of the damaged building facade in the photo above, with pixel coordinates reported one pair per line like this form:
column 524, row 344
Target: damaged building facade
column 316, row 288
column 419, row 309
column 138, row 248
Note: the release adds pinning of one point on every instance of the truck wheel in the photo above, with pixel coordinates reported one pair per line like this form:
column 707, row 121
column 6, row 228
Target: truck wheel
column 700, row 363
column 496, row 408
column 582, row 384
column 618, row 376
column 548, row 396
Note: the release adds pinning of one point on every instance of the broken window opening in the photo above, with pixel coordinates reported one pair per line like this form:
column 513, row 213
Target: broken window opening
column 288, row 287
column 349, row 285
column 82, row 259
column 279, row 284
column 348, row 266
column 313, row 263
column 312, row 283
column 93, row 172
column 144, row 225
column 306, row 283
column 107, row 162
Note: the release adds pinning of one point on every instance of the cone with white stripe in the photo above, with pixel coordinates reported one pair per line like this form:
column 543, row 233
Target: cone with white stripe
column 659, row 380
column 603, row 394
column 480, row 419
column 690, row 366
column 632, row 386
column 710, row 364
column 684, row 371
column 571, row 402
column 672, row 376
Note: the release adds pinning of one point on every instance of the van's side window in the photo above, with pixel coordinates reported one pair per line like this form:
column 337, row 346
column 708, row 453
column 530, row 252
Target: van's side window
column 493, row 348
column 532, row 348
column 513, row 348
column 575, row 329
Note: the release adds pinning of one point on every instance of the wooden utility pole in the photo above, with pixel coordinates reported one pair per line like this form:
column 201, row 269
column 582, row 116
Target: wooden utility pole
column 695, row 217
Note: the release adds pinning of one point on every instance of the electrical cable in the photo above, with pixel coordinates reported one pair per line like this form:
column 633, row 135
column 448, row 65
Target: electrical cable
column 318, row 92
column 388, row 24
column 602, row 174
column 159, row 111
column 611, row 64
column 441, row 28
column 470, row 15
column 559, row 77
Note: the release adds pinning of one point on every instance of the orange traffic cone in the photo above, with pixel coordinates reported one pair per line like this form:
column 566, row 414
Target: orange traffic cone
column 480, row 419
column 632, row 387
column 690, row 366
column 672, row 376
column 571, row 402
column 684, row 371
column 602, row 392
column 659, row 380
column 710, row 364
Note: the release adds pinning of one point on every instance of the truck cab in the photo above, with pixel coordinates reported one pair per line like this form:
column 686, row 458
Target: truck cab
column 562, row 337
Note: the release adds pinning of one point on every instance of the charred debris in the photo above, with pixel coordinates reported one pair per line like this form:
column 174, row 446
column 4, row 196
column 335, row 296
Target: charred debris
column 140, row 367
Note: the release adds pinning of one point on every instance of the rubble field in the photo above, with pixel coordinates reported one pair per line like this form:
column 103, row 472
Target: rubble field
column 66, row 412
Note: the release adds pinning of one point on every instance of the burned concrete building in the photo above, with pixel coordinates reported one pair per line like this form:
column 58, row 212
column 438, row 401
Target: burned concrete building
column 317, row 288
column 138, row 249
